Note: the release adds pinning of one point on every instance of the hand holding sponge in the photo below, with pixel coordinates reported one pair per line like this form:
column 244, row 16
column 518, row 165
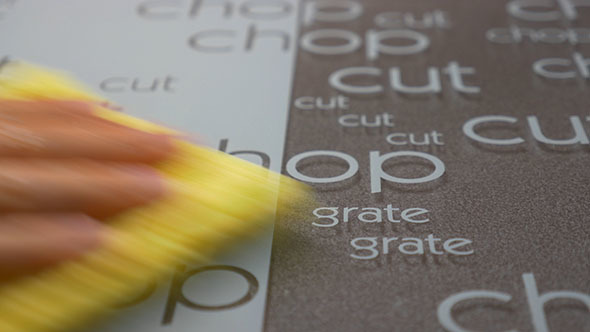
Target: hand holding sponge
column 212, row 201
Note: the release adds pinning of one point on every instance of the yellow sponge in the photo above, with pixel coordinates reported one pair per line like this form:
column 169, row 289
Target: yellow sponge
column 215, row 199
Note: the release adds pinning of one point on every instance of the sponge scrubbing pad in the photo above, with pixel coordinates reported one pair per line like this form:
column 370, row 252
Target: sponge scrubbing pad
column 213, row 200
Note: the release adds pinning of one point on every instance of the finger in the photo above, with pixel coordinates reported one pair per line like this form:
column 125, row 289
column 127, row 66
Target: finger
column 69, row 129
column 96, row 188
column 32, row 241
column 48, row 111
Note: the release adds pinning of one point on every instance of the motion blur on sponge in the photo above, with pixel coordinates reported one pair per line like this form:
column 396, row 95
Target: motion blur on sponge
column 215, row 200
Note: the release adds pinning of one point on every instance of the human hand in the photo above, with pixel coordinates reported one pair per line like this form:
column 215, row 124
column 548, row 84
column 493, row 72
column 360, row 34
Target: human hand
column 62, row 169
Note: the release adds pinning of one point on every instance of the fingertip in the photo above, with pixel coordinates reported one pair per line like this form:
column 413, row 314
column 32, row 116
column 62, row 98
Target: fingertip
column 163, row 147
column 148, row 182
column 84, row 232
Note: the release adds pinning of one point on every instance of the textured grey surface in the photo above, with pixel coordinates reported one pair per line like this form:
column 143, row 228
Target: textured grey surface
column 526, row 208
